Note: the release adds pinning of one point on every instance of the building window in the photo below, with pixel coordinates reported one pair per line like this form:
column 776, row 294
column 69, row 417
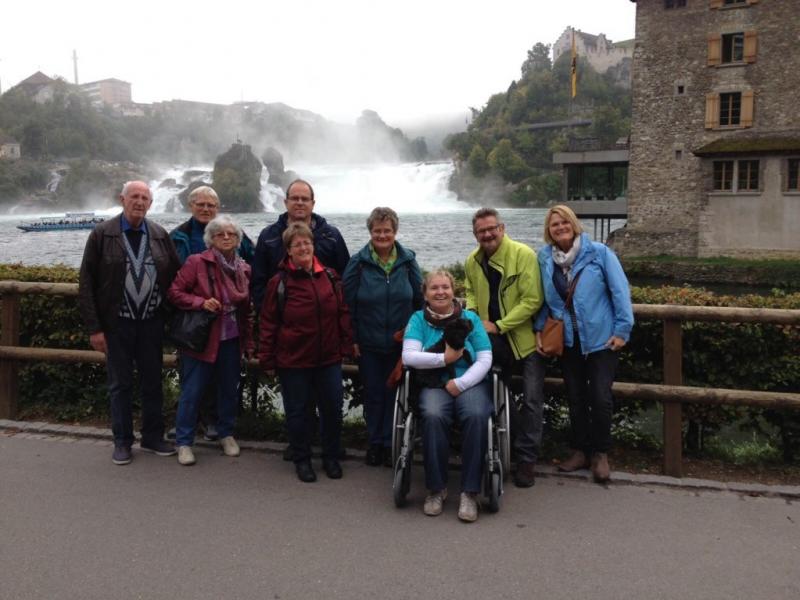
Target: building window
column 674, row 3
column 736, row 176
column 793, row 175
column 731, row 3
column 733, row 47
column 680, row 89
column 723, row 175
column 748, row 176
column 678, row 154
column 730, row 109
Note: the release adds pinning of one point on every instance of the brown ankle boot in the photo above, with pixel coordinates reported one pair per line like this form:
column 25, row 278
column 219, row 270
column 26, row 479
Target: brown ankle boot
column 577, row 461
column 600, row 469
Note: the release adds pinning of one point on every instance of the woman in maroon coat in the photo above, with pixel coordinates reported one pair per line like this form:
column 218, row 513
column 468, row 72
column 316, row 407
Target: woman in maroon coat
column 216, row 280
column 304, row 333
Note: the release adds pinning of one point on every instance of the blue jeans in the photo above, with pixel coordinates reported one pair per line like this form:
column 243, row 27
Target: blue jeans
column 299, row 387
column 196, row 375
column 437, row 410
column 374, row 369
column 135, row 343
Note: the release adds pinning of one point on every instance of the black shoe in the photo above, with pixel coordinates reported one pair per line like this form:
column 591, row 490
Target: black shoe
column 523, row 476
column 159, row 447
column 210, row 434
column 122, row 455
column 171, row 434
column 288, row 454
column 374, row 455
column 387, row 457
column 305, row 472
column 332, row 468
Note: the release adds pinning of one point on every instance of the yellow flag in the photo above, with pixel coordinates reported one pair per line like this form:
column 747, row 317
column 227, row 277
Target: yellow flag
column 574, row 67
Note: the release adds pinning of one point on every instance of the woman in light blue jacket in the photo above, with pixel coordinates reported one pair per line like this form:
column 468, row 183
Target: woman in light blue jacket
column 597, row 324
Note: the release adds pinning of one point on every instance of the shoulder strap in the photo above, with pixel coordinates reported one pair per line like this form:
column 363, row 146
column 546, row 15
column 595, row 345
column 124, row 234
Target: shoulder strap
column 281, row 291
column 571, row 291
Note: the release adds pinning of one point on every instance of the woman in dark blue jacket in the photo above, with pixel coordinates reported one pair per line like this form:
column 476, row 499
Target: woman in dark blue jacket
column 383, row 287
column 597, row 324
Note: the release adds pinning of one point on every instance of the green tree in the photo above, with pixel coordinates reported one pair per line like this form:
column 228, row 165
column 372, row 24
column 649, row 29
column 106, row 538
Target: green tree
column 538, row 59
column 507, row 163
column 477, row 162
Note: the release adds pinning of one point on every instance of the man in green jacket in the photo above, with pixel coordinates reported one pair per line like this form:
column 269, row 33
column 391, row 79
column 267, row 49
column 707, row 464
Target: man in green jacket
column 504, row 287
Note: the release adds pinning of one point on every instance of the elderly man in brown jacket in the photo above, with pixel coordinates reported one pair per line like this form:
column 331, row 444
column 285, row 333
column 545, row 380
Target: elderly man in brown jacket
column 128, row 265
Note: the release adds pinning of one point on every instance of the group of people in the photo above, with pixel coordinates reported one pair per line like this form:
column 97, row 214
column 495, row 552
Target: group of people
column 299, row 302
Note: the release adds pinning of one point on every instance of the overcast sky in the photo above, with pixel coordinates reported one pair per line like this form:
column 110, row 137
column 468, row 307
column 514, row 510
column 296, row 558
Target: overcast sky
column 406, row 60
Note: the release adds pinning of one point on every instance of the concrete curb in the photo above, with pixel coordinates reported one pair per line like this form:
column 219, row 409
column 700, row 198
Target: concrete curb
column 789, row 492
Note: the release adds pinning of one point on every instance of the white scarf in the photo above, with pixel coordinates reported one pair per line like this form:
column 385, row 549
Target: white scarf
column 565, row 259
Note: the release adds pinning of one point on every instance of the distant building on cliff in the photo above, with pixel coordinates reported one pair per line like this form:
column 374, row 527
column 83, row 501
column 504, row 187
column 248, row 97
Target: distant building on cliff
column 715, row 130
column 107, row 91
column 38, row 87
column 9, row 148
column 600, row 52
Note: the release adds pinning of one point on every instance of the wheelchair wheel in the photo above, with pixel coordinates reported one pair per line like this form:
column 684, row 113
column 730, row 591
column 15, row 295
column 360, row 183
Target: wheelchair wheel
column 398, row 423
column 504, row 430
column 400, row 485
column 495, row 491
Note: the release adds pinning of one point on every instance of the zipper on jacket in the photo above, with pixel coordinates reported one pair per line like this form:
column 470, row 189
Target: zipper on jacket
column 319, row 319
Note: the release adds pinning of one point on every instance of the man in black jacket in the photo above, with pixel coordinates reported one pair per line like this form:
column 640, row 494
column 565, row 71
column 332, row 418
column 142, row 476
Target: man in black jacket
column 329, row 246
column 128, row 265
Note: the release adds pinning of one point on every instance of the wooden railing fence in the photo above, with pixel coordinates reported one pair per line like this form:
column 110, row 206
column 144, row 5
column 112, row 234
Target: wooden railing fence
column 672, row 394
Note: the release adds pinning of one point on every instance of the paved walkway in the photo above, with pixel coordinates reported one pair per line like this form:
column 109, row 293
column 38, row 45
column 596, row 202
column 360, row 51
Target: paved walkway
column 73, row 525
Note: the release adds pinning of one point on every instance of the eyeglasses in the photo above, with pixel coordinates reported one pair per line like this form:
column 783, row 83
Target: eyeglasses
column 226, row 234
column 299, row 199
column 301, row 244
column 490, row 229
column 206, row 205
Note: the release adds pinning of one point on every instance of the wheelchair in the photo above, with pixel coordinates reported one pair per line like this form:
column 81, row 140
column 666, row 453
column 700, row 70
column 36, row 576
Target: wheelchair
column 497, row 461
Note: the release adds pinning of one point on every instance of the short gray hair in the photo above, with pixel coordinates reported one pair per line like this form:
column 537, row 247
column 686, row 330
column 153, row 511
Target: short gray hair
column 483, row 213
column 204, row 191
column 383, row 213
column 128, row 184
column 216, row 224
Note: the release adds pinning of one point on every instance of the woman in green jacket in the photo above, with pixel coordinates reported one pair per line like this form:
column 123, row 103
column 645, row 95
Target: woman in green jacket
column 383, row 287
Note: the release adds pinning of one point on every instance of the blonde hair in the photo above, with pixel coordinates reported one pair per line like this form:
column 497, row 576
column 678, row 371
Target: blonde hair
column 565, row 212
column 440, row 273
column 204, row 191
column 296, row 230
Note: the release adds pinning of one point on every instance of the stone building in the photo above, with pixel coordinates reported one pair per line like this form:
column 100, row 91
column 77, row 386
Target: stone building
column 9, row 148
column 715, row 131
column 599, row 51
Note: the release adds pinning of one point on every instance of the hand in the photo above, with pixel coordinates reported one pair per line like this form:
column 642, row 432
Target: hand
column 98, row 342
column 212, row 305
column 356, row 351
column 539, row 347
column 452, row 388
column 615, row 343
column 490, row 327
column 450, row 355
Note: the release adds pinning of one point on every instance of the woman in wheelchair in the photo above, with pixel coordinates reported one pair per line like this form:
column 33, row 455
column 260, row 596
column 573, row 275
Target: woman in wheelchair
column 453, row 381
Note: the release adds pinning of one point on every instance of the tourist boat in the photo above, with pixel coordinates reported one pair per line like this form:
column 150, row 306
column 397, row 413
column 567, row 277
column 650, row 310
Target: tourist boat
column 71, row 220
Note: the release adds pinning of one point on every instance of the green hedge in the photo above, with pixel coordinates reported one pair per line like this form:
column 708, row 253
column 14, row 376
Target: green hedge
column 726, row 355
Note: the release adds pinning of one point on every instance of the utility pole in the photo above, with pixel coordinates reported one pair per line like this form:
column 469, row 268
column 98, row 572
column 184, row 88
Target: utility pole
column 75, row 65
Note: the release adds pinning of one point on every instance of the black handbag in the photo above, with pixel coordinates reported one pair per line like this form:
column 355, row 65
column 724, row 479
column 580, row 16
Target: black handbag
column 190, row 329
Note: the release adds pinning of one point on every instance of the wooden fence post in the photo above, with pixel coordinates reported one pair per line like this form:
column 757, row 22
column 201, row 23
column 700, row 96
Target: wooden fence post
column 673, row 417
column 9, row 322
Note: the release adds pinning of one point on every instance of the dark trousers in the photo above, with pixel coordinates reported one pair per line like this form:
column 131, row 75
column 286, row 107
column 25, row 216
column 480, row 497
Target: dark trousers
column 299, row 388
column 588, row 381
column 527, row 417
column 135, row 344
column 374, row 369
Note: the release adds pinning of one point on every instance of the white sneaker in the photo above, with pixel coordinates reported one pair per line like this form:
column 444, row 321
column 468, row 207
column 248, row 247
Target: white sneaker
column 434, row 503
column 229, row 446
column 185, row 456
column 468, row 508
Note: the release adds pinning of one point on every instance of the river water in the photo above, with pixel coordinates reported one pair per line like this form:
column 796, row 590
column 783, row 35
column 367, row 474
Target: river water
column 433, row 222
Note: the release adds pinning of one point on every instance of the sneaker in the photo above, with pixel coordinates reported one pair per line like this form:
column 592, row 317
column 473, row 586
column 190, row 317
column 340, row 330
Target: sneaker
column 332, row 468
column 524, row 476
column 374, row 455
column 122, row 455
column 171, row 434
column 185, row 456
column 468, row 508
column 159, row 447
column 434, row 503
column 229, row 446
column 305, row 472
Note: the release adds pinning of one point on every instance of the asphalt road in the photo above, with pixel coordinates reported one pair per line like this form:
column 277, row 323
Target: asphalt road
column 73, row 525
